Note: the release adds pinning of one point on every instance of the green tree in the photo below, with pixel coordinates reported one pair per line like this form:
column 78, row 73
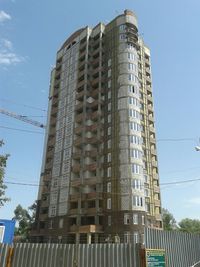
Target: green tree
column 25, row 219
column 3, row 161
column 169, row 222
column 189, row 226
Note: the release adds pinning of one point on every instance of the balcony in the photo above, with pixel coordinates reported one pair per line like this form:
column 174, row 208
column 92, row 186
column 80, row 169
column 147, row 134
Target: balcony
column 151, row 129
column 79, row 107
column 156, row 189
column 74, row 197
column 79, row 117
column 43, row 217
column 154, row 163
column 45, row 204
column 152, row 140
column 76, row 183
column 73, row 211
column 78, row 141
column 76, row 168
column 86, row 229
column 92, row 153
column 94, row 195
column 76, row 155
column 150, row 107
column 90, row 167
column 158, row 217
column 153, row 152
column 151, row 118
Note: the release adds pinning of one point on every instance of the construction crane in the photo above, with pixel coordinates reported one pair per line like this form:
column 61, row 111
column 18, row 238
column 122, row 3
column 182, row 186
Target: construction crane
column 22, row 118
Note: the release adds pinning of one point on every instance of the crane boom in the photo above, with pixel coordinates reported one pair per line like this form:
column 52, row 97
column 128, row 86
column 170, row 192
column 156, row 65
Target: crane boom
column 22, row 118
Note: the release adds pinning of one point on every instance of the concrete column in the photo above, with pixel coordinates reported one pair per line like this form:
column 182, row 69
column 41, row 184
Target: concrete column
column 89, row 238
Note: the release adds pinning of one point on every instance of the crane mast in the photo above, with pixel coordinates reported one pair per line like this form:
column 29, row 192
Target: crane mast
column 22, row 118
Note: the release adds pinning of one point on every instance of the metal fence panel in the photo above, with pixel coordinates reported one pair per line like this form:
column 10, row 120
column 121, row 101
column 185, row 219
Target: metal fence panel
column 182, row 249
column 83, row 255
column 3, row 254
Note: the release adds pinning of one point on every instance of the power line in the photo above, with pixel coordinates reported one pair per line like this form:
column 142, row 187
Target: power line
column 161, row 184
column 20, row 130
column 27, row 106
column 176, row 139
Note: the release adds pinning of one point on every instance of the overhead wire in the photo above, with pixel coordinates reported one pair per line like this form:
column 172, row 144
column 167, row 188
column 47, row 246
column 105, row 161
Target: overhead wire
column 20, row 130
column 27, row 106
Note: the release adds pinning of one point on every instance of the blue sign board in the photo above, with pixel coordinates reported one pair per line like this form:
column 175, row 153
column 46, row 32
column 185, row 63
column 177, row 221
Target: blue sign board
column 7, row 229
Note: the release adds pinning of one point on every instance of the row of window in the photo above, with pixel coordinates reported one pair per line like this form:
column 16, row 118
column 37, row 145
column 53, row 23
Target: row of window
column 136, row 168
column 134, row 114
column 136, row 184
column 134, row 101
column 137, row 201
column 134, row 126
column 135, row 153
column 134, row 139
column 135, row 219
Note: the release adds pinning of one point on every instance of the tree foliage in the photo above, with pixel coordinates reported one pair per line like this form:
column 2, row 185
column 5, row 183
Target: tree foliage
column 169, row 222
column 3, row 161
column 25, row 219
column 189, row 226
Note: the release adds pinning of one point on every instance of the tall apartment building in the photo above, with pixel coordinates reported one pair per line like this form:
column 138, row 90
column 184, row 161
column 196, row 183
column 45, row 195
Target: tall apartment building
column 99, row 176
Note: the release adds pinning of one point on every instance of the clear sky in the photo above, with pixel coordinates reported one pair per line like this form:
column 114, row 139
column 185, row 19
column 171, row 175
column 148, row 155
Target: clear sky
column 30, row 34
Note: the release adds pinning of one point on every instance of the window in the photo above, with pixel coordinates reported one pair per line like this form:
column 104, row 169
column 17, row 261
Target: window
column 143, row 220
column 109, row 203
column 109, row 106
column 109, row 62
column 136, row 184
column 131, row 89
column 136, row 169
column 109, row 172
column 131, row 66
column 122, row 36
column 109, row 83
column 122, row 27
column 146, row 192
column 135, row 153
column 137, row 201
column 134, row 139
column 61, row 221
column 109, row 157
column 2, row 230
column 134, row 114
column 109, row 144
column 135, row 237
column 109, row 130
column 52, row 211
column 145, row 178
column 109, row 187
column 134, row 126
column 126, row 218
column 134, row 101
column 126, row 237
column 131, row 56
column 132, row 77
column 130, row 46
column 109, row 73
column 109, row 94
column 135, row 218
column 109, row 118
column 109, row 220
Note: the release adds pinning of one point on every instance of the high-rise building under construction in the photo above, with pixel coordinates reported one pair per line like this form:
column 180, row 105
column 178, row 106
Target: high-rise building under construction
column 99, row 180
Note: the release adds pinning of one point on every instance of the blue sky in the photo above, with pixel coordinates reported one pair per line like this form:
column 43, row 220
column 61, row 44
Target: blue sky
column 30, row 34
